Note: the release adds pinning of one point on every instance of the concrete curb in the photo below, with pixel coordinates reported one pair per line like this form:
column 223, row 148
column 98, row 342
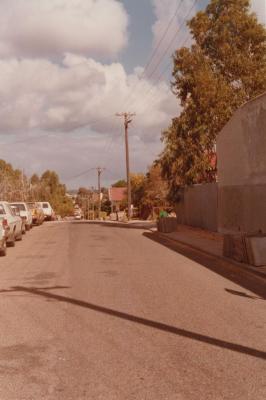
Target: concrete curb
column 244, row 267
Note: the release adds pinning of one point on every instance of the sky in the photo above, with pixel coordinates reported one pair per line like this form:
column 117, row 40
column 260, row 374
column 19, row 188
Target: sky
column 68, row 66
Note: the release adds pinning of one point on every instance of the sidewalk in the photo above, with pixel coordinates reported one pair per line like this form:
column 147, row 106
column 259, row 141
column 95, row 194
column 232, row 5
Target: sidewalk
column 208, row 242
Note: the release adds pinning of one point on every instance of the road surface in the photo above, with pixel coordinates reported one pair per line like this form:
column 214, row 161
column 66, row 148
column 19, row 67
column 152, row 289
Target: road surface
column 95, row 312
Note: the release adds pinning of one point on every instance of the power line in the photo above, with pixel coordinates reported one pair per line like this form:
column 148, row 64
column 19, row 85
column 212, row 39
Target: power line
column 150, row 59
column 34, row 138
column 152, row 89
column 150, row 75
column 172, row 40
column 163, row 36
column 78, row 175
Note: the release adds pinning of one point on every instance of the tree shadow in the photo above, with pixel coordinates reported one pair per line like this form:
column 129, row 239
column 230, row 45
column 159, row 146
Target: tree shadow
column 143, row 321
column 124, row 225
column 14, row 288
column 242, row 294
column 226, row 269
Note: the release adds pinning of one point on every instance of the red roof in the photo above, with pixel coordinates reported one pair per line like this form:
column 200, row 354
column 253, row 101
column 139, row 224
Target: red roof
column 117, row 193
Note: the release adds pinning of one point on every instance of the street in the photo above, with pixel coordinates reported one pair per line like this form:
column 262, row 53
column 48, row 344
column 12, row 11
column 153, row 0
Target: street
column 98, row 312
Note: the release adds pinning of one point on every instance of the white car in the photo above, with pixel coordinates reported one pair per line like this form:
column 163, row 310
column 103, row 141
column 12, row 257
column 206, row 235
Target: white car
column 25, row 213
column 47, row 210
column 12, row 223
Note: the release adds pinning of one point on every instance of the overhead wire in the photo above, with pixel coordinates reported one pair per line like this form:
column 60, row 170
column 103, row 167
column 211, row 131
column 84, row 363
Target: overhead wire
column 150, row 59
column 153, row 88
column 150, row 75
column 78, row 175
column 172, row 40
column 34, row 138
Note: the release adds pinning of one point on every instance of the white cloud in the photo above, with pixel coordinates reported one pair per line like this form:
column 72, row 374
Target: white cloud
column 259, row 6
column 41, row 28
column 39, row 94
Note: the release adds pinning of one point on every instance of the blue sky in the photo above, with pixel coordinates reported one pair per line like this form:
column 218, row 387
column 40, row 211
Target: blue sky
column 140, row 36
column 142, row 18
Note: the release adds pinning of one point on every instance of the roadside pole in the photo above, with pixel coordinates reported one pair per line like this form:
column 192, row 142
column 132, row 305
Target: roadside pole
column 100, row 171
column 127, row 120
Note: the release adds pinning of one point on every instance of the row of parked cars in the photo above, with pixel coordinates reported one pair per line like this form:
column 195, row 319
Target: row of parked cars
column 18, row 217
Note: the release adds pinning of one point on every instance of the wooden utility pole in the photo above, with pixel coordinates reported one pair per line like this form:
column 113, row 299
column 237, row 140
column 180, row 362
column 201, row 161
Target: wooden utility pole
column 100, row 171
column 127, row 119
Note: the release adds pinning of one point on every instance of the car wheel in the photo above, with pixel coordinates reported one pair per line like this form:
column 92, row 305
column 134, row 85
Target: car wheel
column 3, row 250
column 19, row 237
column 11, row 243
column 12, row 240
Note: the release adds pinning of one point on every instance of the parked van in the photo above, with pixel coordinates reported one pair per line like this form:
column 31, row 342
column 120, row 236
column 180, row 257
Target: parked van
column 47, row 210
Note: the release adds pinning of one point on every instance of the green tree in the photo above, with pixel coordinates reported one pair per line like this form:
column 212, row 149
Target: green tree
column 120, row 183
column 224, row 68
column 13, row 183
column 137, row 189
column 156, row 188
column 49, row 188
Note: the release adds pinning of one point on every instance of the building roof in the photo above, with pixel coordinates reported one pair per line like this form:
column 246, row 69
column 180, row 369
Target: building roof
column 117, row 193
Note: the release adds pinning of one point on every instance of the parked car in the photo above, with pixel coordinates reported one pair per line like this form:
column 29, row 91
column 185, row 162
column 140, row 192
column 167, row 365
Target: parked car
column 25, row 213
column 12, row 223
column 78, row 216
column 17, row 213
column 2, row 239
column 49, row 214
column 36, row 212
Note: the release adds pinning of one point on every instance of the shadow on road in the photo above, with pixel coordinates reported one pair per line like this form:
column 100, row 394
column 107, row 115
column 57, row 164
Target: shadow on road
column 226, row 269
column 143, row 321
column 242, row 294
column 134, row 225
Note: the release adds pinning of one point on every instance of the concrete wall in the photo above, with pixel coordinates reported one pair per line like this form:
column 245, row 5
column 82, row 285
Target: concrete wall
column 198, row 206
column 241, row 150
column 242, row 209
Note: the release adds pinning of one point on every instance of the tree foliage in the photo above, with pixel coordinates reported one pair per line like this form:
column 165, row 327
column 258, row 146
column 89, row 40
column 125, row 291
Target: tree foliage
column 224, row 68
column 15, row 186
column 49, row 188
column 120, row 183
column 12, row 182
column 137, row 188
column 148, row 190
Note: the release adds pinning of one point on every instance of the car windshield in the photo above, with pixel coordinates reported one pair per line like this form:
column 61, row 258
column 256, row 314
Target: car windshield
column 45, row 205
column 31, row 205
column 21, row 207
column 12, row 210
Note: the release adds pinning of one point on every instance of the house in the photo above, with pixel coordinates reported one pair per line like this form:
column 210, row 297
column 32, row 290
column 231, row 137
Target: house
column 117, row 197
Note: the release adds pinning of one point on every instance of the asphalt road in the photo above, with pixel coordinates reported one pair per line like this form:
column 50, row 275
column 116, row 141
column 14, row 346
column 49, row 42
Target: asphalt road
column 105, row 313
